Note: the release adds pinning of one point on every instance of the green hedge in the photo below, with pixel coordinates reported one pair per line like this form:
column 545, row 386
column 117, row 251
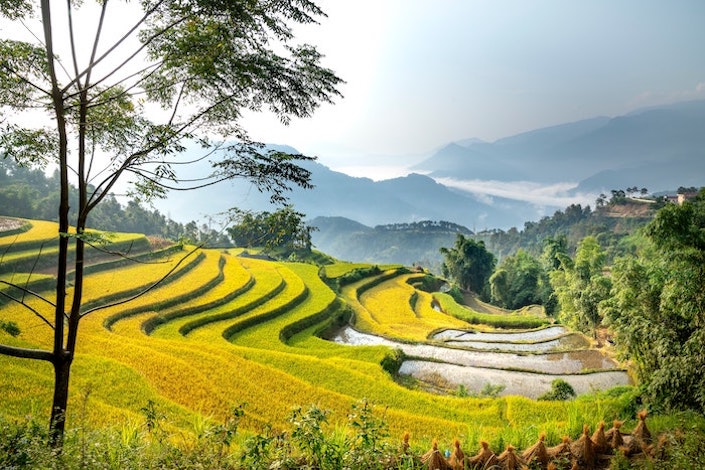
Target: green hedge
column 328, row 314
column 167, row 303
column 126, row 294
column 154, row 322
column 228, row 333
column 199, row 322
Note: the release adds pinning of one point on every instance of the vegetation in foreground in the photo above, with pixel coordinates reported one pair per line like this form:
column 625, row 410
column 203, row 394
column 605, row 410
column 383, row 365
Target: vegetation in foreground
column 310, row 442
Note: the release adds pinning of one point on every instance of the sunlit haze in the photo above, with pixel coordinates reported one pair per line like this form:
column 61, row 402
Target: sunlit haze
column 420, row 73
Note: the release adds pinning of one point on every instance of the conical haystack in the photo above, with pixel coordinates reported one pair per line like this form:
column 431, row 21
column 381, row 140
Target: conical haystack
column 537, row 452
column 641, row 438
column 614, row 435
column 561, row 450
column 433, row 458
column 485, row 458
column 456, row 461
column 600, row 440
column 510, row 460
column 583, row 450
column 641, row 432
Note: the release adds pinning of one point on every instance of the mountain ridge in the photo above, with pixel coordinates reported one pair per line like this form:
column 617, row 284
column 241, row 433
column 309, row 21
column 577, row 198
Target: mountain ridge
column 539, row 171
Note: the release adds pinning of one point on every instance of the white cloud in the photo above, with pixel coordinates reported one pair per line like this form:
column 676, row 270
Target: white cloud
column 557, row 195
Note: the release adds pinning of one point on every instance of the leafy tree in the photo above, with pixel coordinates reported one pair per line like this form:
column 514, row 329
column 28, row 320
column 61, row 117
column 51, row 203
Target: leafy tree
column 469, row 264
column 657, row 309
column 284, row 229
column 179, row 72
column 580, row 285
column 517, row 281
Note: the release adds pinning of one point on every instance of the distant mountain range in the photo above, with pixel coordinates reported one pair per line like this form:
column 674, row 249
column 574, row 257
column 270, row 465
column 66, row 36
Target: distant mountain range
column 660, row 148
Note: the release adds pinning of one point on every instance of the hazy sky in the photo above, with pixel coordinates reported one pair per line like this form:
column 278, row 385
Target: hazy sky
column 422, row 73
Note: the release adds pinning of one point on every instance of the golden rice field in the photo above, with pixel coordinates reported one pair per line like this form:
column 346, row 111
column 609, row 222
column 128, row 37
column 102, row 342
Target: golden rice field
column 225, row 329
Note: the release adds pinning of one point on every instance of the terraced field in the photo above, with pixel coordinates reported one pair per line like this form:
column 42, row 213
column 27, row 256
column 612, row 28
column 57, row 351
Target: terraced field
column 225, row 329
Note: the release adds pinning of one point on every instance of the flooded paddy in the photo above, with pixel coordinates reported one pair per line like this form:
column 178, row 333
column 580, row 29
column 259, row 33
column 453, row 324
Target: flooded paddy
column 528, row 374
column 553, row 338
column 542, row 334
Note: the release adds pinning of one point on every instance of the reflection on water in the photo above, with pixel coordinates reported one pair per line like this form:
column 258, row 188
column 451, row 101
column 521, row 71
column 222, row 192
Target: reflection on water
column 531, row 374
column 549, row 339
column 542, row 334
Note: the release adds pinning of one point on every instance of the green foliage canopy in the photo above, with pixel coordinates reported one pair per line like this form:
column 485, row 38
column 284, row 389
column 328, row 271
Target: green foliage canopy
column 517, row 281
column 657, row 309
column 581, row 284
column 469, row 264
column 284, row 228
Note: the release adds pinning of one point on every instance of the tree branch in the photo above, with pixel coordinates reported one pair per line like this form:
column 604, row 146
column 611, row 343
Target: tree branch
column 28, row 307
column 26, row 353
column 148, row 289
column 117, row 43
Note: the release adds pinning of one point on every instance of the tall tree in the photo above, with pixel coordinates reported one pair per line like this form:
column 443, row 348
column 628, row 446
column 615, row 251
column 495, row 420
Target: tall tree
column 518, row 281
column 581, row 285
column 469, row 264
column 657, row 308
column 168, row 73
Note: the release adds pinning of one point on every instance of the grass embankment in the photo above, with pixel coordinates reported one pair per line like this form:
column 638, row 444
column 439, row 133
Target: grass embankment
column 251, row 340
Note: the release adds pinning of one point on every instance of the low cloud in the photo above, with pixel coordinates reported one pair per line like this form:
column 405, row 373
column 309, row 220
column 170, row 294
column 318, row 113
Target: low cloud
column 555, row 195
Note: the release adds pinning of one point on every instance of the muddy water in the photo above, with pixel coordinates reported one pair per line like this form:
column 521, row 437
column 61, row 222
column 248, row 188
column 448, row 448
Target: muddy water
column 531, row 375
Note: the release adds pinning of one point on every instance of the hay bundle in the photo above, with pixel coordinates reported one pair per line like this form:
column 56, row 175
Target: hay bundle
column 457, row 458
column 510, row 460
column 602, row 446
column 641, row 438
column 405, row 443
column 561, row 450
column 537, row 452
column 641, row 432
column 614, row 435
column 583, row 450
column 433, row 458
column 485, row 458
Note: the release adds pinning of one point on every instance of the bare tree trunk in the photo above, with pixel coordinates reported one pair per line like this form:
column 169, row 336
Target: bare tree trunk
column 61, row 357
column 62, row 369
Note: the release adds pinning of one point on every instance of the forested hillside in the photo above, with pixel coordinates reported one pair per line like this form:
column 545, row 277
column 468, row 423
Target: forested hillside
column 28, row 192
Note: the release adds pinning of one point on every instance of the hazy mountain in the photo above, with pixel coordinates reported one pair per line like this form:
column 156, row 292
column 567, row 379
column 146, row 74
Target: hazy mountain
column 406, row 199
column 406, row 243
column 660, row 148
column 607, row 153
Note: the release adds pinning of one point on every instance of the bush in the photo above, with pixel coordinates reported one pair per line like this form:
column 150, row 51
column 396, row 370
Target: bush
column 392, row 361
column 560, row 391
column 10, row 328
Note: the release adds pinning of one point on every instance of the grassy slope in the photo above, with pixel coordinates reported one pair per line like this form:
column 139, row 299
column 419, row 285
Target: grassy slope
column 204, row 374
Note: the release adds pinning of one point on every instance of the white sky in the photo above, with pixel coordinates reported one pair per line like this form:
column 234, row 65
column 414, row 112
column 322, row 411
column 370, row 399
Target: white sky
column 423, row 73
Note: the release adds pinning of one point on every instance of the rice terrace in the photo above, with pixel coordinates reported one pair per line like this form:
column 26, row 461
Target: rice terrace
column 228, row 330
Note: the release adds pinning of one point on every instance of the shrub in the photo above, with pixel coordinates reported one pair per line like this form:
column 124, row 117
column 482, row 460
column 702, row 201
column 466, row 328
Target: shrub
column 392, row 361
column 10, row 328
column 560, row 391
